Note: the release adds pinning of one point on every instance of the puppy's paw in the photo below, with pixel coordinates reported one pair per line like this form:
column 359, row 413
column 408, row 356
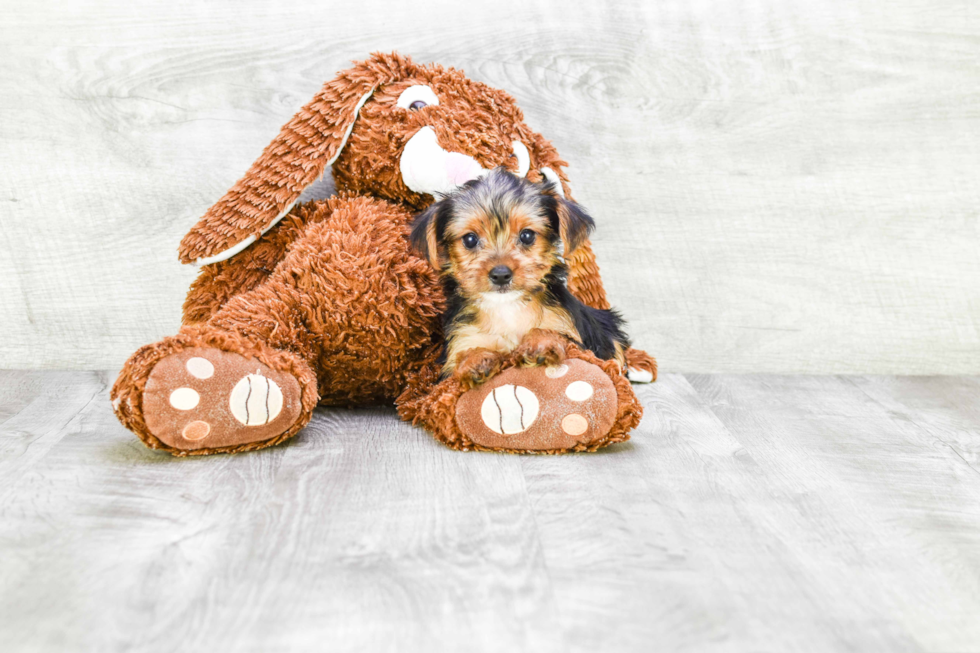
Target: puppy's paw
column 476, row 366
column 541, row 348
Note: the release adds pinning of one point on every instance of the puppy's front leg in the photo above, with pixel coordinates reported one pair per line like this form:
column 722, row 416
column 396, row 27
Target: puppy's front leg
column 475, row 366
column 541, row 347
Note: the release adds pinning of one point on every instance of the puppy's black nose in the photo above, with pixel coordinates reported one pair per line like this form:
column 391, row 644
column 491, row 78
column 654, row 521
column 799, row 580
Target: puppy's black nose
column 501, row 275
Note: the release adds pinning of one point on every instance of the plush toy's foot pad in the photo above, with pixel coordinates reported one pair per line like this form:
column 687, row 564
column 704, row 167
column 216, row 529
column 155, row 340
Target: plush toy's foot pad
column 540, row 408
column 205, row 398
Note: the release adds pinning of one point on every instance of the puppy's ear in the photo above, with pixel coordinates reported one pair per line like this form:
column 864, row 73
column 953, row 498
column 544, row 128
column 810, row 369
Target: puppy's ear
column 574, row 224
column 568, row 218
column 425, row 233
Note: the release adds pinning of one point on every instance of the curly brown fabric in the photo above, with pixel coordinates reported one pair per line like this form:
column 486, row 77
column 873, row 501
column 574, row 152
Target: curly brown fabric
column 332, row 293
column 473, row 119
column 431, row 403
column 641, row 360
column 127, row 392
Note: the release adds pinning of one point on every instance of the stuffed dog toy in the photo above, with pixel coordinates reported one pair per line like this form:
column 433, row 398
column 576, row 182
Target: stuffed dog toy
column 303, row 301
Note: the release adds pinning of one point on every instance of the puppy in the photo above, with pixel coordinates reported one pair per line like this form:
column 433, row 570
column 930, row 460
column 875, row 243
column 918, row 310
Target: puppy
column 498, row 244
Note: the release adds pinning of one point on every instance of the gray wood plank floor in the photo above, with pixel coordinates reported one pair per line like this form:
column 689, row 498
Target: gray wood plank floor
column 748, row 513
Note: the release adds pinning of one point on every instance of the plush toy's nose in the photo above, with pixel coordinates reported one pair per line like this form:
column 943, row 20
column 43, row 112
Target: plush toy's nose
column 501, row 275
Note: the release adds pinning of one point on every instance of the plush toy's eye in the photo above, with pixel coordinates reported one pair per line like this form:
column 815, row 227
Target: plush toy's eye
column 415, row 97
column 527, row 237
column 471, row 240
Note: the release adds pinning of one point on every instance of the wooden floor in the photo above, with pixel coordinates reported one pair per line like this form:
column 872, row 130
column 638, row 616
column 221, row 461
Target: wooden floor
column 748, row 513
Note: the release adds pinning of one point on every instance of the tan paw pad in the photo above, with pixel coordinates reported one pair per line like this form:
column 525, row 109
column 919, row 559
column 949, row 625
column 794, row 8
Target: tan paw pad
column 540, row 408
column 196, row 430
column 204, row 398
column 579, row 391
column 185, row 399
column 256, row 400
column 556, row 371
column 509, row 409
column 574, row 424
column 199, row 368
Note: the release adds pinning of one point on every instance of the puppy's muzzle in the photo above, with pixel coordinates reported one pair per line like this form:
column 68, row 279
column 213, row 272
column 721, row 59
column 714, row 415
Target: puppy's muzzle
column 501, row 275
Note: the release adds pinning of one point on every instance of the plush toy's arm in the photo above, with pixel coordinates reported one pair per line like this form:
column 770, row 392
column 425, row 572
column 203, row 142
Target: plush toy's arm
column 219, row 282
column 641, row 366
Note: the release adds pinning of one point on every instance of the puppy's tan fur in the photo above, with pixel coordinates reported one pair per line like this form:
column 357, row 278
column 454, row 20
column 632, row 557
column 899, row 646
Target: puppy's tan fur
column 493, row 320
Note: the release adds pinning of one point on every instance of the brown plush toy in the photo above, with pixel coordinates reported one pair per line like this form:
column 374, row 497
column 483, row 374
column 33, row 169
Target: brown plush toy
column 305, row 302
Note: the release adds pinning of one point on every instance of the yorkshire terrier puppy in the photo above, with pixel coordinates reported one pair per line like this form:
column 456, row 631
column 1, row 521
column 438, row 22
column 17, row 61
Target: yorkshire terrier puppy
column 498, row 244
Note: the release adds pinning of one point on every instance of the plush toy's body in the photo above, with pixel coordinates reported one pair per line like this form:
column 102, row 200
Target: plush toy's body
column 324, row 301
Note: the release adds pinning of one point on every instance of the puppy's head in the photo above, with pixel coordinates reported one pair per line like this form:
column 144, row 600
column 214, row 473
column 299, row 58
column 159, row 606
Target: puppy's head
column 500, row 234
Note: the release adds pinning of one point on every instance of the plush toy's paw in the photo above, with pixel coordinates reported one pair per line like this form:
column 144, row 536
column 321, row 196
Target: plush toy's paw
column 641, row 366
column 476, row 366
column 565, row 407
column 540, row 348
column 206, row 398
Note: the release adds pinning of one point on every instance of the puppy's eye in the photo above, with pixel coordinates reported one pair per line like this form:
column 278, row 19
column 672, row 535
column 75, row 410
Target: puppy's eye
column 527, row 237
column 471, row 240
column 418, row 104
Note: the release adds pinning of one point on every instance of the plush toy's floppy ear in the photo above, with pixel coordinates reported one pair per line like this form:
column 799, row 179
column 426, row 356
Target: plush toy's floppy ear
column 298, row 156
column 425, row 233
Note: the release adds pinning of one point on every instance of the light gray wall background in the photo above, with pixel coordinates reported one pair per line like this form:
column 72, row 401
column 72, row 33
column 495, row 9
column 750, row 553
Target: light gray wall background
column 780, row 185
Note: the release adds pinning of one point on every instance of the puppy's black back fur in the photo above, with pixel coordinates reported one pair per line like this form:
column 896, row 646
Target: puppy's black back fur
column 599, row 329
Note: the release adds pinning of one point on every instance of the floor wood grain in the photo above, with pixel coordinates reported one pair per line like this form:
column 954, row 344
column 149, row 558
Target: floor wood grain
column 748, row 513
